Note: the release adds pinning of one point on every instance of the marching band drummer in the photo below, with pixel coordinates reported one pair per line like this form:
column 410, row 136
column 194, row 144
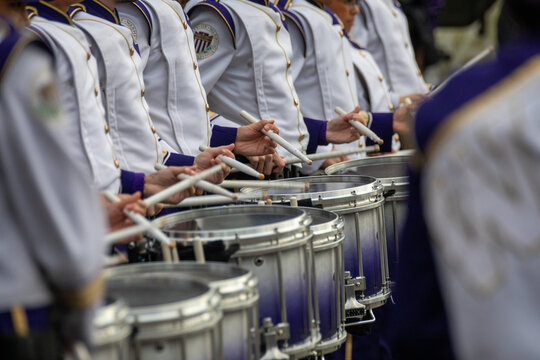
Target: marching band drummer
column 86, row 128
column 174, row 93
column 381, row 27
column 52, row 225
column 244, row 53
column 349, row 73
column 137, row 145
column 471, row 235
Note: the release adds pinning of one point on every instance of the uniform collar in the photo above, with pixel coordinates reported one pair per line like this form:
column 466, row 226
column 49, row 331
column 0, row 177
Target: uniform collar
column 97, row 8
column 320, row 5
column 48, row 11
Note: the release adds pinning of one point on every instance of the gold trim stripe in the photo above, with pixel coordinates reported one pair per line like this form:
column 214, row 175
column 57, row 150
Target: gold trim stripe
column 83, row 297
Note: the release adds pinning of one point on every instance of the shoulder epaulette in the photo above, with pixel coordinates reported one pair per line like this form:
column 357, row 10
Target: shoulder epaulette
column 75, row 9
column 222, row 11
column 146, row 13
column 13, row 44
column 296, row 20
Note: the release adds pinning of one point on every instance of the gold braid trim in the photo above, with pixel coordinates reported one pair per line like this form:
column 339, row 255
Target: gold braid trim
column 83, row 297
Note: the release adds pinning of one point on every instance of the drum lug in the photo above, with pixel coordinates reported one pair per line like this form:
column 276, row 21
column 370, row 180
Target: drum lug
column 353, row 308
column 271, row 335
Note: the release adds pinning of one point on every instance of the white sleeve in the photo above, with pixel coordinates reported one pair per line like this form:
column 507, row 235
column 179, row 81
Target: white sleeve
column 59, row 212
column 215, row 49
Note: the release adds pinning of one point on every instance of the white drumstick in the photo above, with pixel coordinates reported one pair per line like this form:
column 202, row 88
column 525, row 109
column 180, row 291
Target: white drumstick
column 207, row 200
column 183, row 185
column 361, row 127
column 475, row 60
column 281, row 141
column 213, row 188
column 237, row 164
column 335, row 154
column 237, row 184
column 115, row 236
column 203, row 184
column 199, row 251
column 141, row 220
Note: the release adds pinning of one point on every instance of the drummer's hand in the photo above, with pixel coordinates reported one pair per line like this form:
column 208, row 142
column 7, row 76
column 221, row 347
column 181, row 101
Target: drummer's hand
column 414, row 98
column 250, row 141
column 340, row 131
column 332, row 161
column 267, row 164
column 115, row 215
column 402, row 123
column 208, row 158
column 164, row 178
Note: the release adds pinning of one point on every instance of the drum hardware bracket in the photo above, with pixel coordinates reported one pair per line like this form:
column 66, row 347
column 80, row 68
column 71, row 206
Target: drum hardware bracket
column 353, row 308
column 271, row 335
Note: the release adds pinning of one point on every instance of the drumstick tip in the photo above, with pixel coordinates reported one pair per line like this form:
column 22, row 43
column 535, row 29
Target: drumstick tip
column 269, row 201
column 172, row 244
column 261, row 176
column 381, row 141
column 377, row 148
column 309, row 162
column 234, row 197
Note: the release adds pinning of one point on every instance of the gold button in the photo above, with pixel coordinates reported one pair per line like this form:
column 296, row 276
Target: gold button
column 391, row 107
column 419, row 72
column 185, row 24
column 363, row 53
column 106, row 129
column 131, row 51
column 360, row 143
column 347, row 72
column 380, row 78
column 341, row 33
column 207, row 108
column 278, row 27
column 142, row 92
column 194, row 65
column 96, row 91
column 295, row 102
column 406, row 45
column 288, row 64
column 394, row 13
column 116, row 163
column 301, row 137
column 88, row 55
column 153, row 129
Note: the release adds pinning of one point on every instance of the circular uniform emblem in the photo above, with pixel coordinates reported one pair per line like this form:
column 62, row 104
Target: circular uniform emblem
column 206, row 40
column 131, row 26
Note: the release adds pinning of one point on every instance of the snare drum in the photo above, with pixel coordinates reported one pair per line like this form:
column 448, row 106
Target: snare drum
column 239, row 299
column 391, row 170
column 111, row 331
column 273, row 244
column 327, row 229
column 359, row 200
column 173, row 317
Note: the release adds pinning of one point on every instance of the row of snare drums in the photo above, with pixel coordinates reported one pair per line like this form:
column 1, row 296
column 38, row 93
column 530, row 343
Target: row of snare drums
column 298, row 275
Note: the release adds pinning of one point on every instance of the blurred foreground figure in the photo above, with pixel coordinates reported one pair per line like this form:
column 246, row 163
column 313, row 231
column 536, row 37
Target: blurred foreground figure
column 478, row 182
column 52, row 227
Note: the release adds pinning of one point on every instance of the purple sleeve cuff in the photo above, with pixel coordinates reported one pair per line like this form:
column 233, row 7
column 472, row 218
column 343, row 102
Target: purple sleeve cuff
column 174, row 159
column 317, row 134
column 382, row 125
column 222, row 135
column 131, row 182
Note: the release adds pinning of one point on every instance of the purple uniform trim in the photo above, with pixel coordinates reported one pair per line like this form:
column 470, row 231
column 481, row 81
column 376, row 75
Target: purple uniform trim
column 48, row 12
column 144, row 10
column 223, row 135
column 174, row 159
column 38, row 320
column 296, row 21
column 317, row 134
column 7, row 45
column 382, row 126
column 131, row 182
column 222, row 11
column 96, row 8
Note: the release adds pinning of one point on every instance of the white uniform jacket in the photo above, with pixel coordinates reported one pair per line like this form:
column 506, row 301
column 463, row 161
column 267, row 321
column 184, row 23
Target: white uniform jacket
column 120, row 73
column 76, row 71
column 244, row 53
column 381, row 27
column 174, row 91
column 51, row 222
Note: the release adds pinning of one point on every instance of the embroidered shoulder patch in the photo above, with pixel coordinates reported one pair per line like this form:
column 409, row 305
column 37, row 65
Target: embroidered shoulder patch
column 206, row 41
column 130, row 25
